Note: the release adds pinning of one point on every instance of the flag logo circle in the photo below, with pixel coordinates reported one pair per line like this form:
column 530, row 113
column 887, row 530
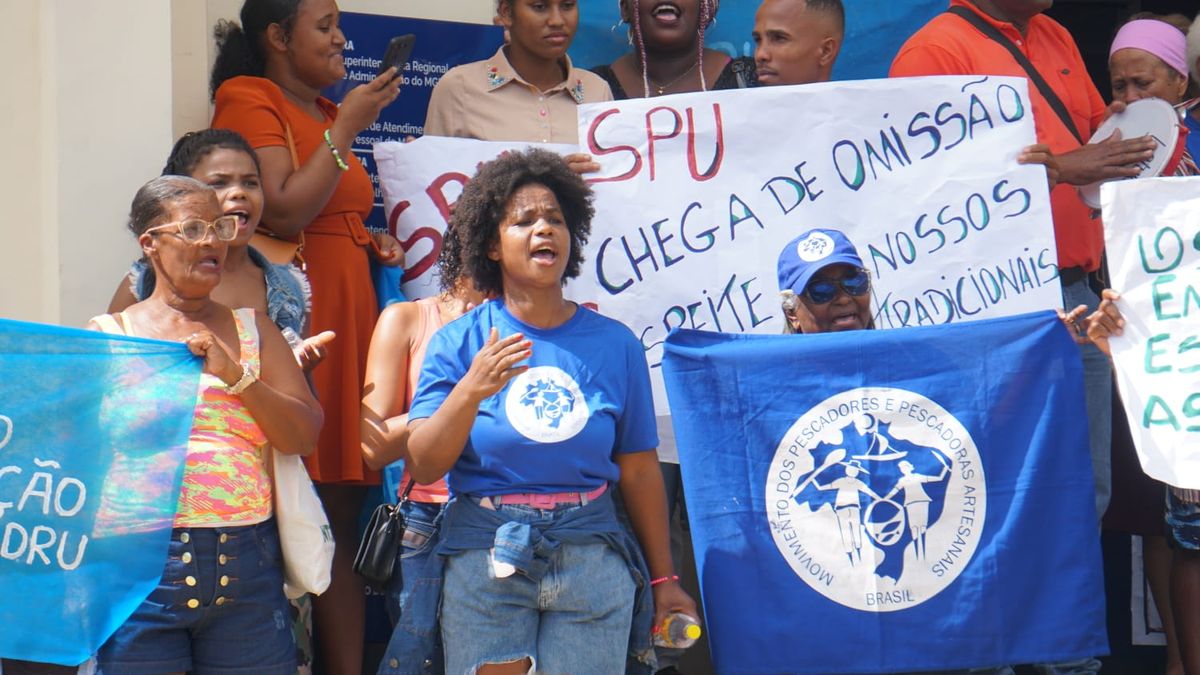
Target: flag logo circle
column 876, row 498
column 544, row 404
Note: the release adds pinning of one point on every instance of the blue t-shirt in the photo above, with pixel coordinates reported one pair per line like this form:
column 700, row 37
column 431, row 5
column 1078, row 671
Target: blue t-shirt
column 557, row 426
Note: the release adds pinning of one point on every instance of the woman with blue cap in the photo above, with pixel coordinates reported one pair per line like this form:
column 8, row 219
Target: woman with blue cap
column 824, row 285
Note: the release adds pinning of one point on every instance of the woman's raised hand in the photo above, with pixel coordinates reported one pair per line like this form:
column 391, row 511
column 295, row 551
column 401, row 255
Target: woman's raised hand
column 217, row 359
column 495, row 364
column 313, row 350
column 362, row 105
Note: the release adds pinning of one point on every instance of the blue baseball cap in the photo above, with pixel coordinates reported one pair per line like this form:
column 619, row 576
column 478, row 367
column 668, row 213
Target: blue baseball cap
column 805, row 255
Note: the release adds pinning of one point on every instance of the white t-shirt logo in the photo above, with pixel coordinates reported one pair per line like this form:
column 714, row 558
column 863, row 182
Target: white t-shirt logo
column 544, row 404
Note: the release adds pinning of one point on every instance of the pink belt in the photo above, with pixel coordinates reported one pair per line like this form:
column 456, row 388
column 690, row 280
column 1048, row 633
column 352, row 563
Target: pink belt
column 542, row 501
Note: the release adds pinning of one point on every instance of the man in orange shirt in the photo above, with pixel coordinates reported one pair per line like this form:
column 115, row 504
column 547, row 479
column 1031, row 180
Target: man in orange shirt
column 970, row 40
column 951, row 45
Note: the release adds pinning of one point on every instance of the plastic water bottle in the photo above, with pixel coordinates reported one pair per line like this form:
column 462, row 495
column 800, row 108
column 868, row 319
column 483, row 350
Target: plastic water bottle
column 678, row 631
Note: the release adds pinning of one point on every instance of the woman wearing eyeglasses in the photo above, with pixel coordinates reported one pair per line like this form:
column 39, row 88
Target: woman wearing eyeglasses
column 824, row 285
column 220, row 603
column 224, row 161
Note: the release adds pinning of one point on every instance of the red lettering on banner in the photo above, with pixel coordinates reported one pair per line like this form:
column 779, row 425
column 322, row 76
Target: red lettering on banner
column 436, row 191
column 719, row 153
column 437, row 194
column 426, row 261
column 415, row 269
column 651, row 137
column 394, row 216
column 598, row 151
column 656, row 135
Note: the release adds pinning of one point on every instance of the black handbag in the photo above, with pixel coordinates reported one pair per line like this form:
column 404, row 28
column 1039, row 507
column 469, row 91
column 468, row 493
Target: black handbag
column 380, row 545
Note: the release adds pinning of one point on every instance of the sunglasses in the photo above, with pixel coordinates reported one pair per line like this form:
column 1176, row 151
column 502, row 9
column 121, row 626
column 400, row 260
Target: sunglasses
column 194, row 230
column 855, row 284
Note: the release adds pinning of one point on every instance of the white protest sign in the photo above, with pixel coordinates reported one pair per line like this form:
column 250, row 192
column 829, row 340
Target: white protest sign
column 1152, row 233
column 699, row 193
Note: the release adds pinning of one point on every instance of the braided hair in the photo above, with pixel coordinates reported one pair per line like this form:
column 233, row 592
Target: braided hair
column 708, row 13
column 239, row 47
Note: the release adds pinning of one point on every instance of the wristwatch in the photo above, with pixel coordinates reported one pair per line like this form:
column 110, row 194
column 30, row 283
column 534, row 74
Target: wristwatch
column 248, row 378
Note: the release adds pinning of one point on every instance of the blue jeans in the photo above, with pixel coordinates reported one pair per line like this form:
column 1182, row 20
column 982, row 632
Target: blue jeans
column 1097, row 389
column 416, row 643
column 219, row 608
column 575, row 619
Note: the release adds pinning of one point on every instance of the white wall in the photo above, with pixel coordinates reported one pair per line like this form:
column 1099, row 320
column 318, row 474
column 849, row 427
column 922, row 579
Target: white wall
column 95, row 92
column 87, row 114
column 28, row 282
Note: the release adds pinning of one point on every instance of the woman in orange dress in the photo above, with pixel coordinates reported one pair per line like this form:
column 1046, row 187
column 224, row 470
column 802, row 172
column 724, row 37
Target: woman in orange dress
column 266, row 85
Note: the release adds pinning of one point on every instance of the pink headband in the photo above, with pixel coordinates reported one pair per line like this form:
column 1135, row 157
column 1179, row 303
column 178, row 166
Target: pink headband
column 1156, row 37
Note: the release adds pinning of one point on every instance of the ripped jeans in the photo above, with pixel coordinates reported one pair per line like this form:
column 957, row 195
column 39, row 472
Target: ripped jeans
column 573, row 618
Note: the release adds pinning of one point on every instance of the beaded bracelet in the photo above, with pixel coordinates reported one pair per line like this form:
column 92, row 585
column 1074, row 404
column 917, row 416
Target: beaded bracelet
column 337, row 156
column 663, row 580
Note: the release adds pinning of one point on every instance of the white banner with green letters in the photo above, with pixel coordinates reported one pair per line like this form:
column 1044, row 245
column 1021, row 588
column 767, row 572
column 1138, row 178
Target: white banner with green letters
column 1152, row 230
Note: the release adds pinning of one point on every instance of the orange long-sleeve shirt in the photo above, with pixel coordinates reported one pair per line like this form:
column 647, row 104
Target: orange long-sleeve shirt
column 948, row 45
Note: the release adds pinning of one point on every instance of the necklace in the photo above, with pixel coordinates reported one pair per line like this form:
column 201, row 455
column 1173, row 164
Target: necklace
column 662, row 88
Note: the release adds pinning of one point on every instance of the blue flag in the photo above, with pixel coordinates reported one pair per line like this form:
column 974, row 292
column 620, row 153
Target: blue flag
column 879, row 501
column 93, row 436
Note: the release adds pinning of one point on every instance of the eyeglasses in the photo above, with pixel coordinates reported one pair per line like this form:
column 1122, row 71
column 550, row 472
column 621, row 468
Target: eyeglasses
column 855, row 284
column 194, row 230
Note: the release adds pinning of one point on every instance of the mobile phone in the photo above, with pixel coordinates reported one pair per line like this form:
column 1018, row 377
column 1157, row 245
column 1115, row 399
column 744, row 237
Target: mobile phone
column 398, row 51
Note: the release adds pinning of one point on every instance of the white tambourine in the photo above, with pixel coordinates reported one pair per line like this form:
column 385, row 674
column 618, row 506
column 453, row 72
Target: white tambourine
column 1151, row 117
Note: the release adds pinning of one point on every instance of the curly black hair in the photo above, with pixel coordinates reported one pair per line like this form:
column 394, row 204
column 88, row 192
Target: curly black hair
column 239, row 47
column 194, row 146
column 475, row 226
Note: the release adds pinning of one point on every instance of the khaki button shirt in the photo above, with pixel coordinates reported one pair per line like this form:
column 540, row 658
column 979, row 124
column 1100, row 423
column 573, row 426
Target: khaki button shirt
column 487, row 100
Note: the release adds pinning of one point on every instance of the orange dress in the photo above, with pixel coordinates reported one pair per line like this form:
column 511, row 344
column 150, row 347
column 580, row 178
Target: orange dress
column 336, row 246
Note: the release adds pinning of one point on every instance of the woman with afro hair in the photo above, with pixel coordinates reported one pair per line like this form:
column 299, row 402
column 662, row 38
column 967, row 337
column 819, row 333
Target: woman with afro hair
column 537, row 408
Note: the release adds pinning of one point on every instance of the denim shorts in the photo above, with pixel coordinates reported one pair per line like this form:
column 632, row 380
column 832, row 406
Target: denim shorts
column 219, row 608
column 576, row 619
column 1183, row 522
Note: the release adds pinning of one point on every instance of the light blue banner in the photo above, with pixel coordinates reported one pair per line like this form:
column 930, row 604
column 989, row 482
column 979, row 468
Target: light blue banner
column 93, row 436
column 875, row 29
column 890, row 500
